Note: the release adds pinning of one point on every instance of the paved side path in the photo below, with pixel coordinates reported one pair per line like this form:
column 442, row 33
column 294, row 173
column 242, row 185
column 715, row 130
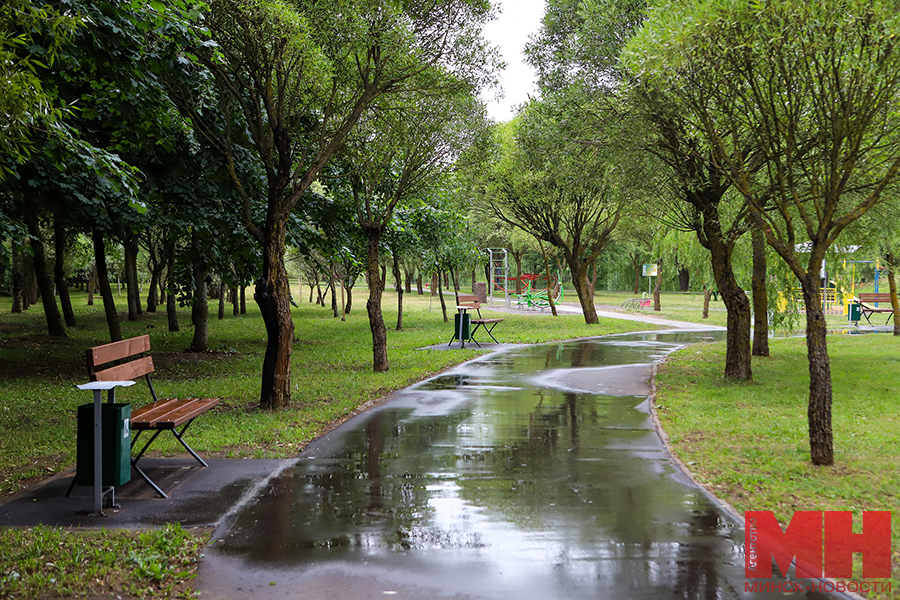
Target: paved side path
column 573, row 308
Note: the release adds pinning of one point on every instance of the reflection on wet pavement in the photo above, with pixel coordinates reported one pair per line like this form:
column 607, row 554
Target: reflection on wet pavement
column 531, row 474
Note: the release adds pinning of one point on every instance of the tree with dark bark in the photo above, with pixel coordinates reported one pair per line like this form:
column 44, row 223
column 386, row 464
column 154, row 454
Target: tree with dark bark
column 814, row 88
column 302, row 76
column 549, row 185
column 396, row 159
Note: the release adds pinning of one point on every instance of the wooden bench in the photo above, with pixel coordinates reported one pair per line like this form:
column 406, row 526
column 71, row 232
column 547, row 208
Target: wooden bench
column 865, row 303
column 471, row 302
column 169, row 414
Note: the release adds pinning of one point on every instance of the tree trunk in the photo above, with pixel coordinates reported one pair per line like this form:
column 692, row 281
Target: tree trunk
column 760, row 295
column 593, row 278
column 399, row 280
column 409, row 276
column 549, row 285
column 373, row 304
column 16, row 278
column 156, row 268
column 334, row 302
column 171, row 306
column 821, row 444
column 131, row 277
column 892, row 284
column 55, row 326
column 435, row 283
column 222, row 291
column 455, row 289
column 235, row 308
column 657, row 302
column 706, row 294
column 440, row 294
column 349, row 304
column 109, row 302
column 419, row 288
column 737, row 351
column 737, row 348
column 273, row 300
column 684, row 279
column 580, row 282
column 29, row 279
column 517, row 257
column 91, row 285
column 200, row 304
column 59, row 275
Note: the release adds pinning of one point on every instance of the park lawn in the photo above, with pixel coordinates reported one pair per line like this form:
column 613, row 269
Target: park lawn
column 331, row 376
column 748, row 442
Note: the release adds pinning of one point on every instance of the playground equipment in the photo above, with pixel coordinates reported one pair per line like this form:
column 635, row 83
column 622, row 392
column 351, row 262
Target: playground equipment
column 499, row 269
column 530, row 297
column 533, row 298
column 637, row 303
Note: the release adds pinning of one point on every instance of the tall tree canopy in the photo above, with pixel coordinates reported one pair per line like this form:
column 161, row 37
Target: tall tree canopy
column 798, row 102
column 298, row 78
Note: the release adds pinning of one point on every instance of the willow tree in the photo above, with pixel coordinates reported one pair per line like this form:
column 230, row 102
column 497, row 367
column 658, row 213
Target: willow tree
column 291, row 80
column 395, row 159
column 799, row 102
column 570, row 194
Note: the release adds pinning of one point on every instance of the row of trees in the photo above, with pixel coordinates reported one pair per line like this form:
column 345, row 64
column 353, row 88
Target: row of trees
column 719, row 118
column 210, row 134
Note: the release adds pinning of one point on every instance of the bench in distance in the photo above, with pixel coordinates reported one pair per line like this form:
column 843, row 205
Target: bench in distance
column 867, row 308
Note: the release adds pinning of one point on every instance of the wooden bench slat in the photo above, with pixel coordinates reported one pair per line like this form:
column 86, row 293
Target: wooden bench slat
column 100, row 355
column 482, row 321
column 168, row 411
column 125, row 372
column 188, row 412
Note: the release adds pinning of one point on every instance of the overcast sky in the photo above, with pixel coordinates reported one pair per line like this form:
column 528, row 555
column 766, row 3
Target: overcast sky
column 518, row 20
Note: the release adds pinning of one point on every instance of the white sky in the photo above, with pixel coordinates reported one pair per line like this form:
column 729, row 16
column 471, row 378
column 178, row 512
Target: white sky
column 517, row 20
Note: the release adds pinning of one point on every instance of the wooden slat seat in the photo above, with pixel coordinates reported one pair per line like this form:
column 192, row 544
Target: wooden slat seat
column 127, row 360
column 170, row 413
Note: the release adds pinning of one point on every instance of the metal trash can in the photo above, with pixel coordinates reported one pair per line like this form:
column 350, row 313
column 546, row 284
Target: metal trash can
column 116, row 444
column 465, row 333
column 854, row 312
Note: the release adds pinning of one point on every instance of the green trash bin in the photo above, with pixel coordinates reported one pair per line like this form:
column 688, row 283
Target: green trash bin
column 466, row 327
column 855, row 310
column 115, row 442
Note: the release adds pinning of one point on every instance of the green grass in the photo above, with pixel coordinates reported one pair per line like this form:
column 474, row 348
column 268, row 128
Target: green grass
column 46, row 561
column 748, row 442
column 331, row 376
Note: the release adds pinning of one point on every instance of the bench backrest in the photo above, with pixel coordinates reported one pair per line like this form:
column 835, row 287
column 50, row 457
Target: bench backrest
column 875, row 297
column 130, row 354
column 470, row 300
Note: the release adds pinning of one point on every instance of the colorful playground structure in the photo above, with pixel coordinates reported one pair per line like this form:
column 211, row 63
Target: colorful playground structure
column 526, row 289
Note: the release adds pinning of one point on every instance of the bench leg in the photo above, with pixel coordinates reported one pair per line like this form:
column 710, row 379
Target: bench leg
column 134, row 460
column 183, row 443
column 490, row 332
column 472, row 335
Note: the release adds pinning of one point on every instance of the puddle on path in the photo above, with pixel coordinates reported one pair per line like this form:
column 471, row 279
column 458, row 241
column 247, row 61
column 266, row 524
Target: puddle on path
column 533, row 474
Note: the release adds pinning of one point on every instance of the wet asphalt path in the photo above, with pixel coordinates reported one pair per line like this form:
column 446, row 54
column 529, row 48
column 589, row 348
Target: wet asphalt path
column 531, row 474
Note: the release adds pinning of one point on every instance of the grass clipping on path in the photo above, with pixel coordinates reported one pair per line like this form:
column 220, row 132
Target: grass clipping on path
column 749, row 442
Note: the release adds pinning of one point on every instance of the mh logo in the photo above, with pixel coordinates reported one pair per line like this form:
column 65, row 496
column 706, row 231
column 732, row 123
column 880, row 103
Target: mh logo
column 822, row 543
